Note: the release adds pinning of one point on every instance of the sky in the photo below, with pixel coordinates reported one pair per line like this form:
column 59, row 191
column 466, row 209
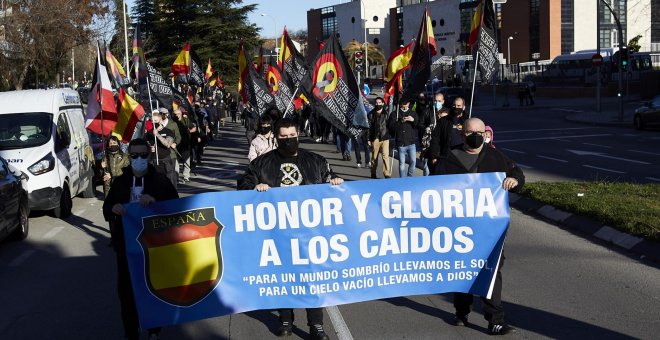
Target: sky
column 292, row 13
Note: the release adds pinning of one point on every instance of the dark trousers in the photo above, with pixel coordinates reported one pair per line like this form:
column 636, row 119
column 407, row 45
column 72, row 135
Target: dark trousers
column 129, row 316
column 314, row 316
column 493, row 310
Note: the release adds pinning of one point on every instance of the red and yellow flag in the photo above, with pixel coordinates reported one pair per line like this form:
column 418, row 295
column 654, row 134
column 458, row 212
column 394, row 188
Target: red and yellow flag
column 181, row 65
column 399, row 61
column 130, row 112
column 430, row 38
column 476, row 24
column 209, row 72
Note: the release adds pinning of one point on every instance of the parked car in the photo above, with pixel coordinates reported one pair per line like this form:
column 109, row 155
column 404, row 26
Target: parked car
column 648, row 115
column 14, row 207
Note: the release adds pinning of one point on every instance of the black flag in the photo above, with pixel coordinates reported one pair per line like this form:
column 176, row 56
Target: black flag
column 334, row 90
column 160, row 89
column 488, row 55
column 196, row 72
column 420, row 63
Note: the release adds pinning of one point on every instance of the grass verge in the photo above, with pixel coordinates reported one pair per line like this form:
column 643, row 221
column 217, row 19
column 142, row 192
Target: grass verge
column 631, row 208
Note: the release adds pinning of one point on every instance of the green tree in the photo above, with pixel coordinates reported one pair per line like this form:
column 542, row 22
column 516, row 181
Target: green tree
column 144, row 14
column 376, row 56
column 633, row 44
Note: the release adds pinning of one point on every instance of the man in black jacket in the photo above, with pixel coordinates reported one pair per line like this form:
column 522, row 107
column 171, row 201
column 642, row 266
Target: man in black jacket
column 404, row 125
column 379, row 138
column 140, row 182
column 290, row 166
column 475, row 157
column 447, row 132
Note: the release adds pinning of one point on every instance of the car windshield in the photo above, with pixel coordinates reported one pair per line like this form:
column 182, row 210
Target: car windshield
column 25, row 130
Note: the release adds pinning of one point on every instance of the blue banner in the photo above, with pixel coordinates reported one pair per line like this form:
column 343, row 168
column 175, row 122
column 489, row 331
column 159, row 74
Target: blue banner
column 220, row 253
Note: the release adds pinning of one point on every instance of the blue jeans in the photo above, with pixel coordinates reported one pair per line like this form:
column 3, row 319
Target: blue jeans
column 360, row 145
column 344, row 144
column 410, row 151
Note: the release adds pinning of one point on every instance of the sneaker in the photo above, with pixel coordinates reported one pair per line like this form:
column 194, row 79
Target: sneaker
column 359, row 165
column 286, row 329
column 460, row 320
column 500, row 329
column 316, row 332
column 368, row 165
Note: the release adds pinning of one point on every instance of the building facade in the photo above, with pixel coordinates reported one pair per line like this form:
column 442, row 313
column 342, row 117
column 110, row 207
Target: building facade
column 530, row 29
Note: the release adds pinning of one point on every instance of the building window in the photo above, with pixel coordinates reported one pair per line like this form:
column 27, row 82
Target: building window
column 655, row 24
column 328, row 21
column 376, row 41
column 374, row 31
column 567, row 27
column 375, row 18
column 534, row 26
column 328, row 10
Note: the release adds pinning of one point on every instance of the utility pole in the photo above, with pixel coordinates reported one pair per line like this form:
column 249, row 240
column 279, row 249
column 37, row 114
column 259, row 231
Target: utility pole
column 598, row 52
column 620, row 66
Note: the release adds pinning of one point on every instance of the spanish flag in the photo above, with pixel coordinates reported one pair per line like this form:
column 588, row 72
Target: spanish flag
column 425, row 49
column 181, row 65
column 476, row 24
column 209, row 72
column 116, row 69
column 130, row 112
column 399, row 61
column 215, row 80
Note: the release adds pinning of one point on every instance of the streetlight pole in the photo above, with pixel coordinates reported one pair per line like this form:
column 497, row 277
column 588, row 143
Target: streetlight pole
column 508, row 46
column 125, row 38
column 366, row 43
column 275, row 25
column 621, row 45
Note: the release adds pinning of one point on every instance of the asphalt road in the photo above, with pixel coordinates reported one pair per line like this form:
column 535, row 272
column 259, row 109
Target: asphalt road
column 60, row 282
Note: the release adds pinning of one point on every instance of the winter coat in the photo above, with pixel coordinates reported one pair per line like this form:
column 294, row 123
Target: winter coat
column 261, row 145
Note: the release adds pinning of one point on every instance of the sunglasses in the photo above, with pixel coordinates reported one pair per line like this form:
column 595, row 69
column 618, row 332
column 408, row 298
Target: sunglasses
column 141, row 155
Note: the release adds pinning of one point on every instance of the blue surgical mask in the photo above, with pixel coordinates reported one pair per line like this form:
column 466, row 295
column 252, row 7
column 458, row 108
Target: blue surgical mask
column 140, row 164
column 438, row 106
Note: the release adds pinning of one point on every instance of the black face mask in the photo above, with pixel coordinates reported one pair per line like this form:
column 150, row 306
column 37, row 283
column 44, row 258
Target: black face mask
column 288, row 147
column 378, row 107
column 113, row 148
column 474, row 140
column 264, row 130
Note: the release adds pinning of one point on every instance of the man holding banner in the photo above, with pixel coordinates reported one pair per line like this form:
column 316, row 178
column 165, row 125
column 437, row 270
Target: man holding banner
column 289, row 166
column 473, row 157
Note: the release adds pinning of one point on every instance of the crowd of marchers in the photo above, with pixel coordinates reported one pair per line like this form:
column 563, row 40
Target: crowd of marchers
column 448, row 143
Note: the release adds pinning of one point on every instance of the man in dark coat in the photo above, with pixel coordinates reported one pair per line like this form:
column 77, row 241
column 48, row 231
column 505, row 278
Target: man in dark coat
column 379, row 138
column 290, row 166
column 140, row 182
column 404, row 124
column 473, row 156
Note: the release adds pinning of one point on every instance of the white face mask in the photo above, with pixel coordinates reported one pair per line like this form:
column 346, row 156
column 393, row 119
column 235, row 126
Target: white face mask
column 487, row 140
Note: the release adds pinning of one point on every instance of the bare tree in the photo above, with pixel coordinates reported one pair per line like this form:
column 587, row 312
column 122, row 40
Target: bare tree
column 41, row 34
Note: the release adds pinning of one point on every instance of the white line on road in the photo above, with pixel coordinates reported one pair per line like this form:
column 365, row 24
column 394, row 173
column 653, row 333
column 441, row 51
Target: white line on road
column 600, row 154
column 553, row 159
column 343, row 333
column 20, row 259
column 646, row 152
column 564, row 140
column 549, row 138
column 598, row 145
column 53, row 232
column 597, row 168
column 653, row 179
column 535, row 130
column 524, row 166
column 514, row 151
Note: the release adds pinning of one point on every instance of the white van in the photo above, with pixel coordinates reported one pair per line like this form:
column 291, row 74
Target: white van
column 42, row 133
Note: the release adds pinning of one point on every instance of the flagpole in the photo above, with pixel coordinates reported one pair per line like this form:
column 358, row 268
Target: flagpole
column 474, row 82
column 291, row 101
column 125, row 35
column 151, row 107
column 100, row 89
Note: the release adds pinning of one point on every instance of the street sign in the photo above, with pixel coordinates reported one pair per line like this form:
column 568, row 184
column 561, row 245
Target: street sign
column 597, row 59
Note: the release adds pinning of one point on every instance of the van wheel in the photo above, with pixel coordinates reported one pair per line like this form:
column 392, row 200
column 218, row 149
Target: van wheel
column 90, row 191
column 64, row 209
column 637, row 123
column 23, row 226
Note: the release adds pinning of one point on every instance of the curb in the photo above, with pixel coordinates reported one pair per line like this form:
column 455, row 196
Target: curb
column 645, row 249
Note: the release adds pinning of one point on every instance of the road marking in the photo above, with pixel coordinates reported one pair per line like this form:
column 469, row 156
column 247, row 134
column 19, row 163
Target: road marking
column 600, row 154
column 568, row 110
column 514, row 151
column 535, row 130
column 564, row 140
column 598, row 145
column 20, row 259
column 53, row 232
column 553, row 159
column 653, row 179
column 343, row 333
column 548, row 138
column 597, row 168
column 645, row 152
column 524, row 166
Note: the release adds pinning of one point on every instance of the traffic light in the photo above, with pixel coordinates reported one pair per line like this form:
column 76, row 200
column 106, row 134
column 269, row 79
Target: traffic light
column 466, row 68
column 359, row 58
column 624, row 56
